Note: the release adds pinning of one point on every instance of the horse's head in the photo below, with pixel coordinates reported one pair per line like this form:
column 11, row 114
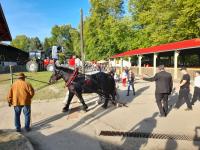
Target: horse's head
column 61, row 72
column 57, row 75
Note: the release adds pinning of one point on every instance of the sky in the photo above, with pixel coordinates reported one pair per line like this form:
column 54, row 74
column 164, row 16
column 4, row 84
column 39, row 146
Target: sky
column 36, row 17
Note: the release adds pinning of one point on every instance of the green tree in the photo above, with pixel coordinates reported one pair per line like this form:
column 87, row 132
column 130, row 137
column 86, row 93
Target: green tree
column 22, row 42
column 61, row 36
column 164, row 21
column 75, row 38
column 106, row 31
column 188, row 19
column 47, row 44
column 67, row 37
column 35, row 44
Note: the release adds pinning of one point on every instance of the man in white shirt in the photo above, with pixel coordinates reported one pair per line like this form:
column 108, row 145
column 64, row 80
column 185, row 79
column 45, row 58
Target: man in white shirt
column 77, row 62
column 196, row 94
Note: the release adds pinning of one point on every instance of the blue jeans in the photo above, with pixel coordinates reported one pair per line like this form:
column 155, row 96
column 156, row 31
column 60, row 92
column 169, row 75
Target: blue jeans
column 27, row 114
column 131, row 84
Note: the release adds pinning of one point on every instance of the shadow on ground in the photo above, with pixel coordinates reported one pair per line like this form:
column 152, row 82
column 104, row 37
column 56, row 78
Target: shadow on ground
column 197, row 137
column 173, row 101
column 73, row 139
column 10, row 140
column 147, row 125
column 128, row 99
column 98, row 113
column 45, row 123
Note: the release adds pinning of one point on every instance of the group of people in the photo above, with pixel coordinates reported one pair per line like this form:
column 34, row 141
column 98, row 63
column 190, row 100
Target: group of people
column 164, row 87
column 21, row 93
column 127, row 78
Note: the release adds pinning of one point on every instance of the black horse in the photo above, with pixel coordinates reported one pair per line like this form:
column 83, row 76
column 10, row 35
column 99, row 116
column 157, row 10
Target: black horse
column 101, row 83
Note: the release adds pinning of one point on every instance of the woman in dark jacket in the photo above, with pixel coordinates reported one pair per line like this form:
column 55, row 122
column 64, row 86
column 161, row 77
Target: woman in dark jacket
column 131, row 78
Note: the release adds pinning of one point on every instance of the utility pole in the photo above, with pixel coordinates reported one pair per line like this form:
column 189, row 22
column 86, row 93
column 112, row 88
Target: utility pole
column 82, row 44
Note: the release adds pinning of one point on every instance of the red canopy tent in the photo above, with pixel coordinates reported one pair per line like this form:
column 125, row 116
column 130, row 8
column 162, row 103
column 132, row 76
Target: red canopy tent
column 182, row 45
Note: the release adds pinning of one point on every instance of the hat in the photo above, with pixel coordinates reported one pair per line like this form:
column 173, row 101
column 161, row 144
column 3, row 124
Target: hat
column 21, row 75
column 183, row 68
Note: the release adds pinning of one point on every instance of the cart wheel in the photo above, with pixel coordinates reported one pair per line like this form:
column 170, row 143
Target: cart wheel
column 50, row 67
column 32, row 66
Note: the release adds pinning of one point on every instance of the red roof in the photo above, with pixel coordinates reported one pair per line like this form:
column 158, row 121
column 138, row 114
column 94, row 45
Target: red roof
column 186, row 44
column 4, row 30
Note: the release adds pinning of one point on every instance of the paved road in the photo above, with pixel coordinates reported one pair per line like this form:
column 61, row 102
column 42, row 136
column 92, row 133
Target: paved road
column 78, row 130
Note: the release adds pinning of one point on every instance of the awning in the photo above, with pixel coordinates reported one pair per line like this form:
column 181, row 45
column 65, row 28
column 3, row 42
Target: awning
column 182, row 45
column 4, row 30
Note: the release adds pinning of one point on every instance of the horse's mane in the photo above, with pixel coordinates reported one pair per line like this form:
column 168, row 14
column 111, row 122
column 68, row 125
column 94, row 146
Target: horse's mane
column 64, row 68
column 67, row 69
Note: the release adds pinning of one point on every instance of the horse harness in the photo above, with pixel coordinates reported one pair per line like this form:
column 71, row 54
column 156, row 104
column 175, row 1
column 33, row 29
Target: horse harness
column 72, row 77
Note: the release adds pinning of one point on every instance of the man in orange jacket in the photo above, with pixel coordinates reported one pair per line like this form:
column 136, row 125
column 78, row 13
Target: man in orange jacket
column 20, row 95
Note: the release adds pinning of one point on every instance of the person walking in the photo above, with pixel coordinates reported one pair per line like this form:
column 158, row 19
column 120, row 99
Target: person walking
column 131, row 78
column 19, row 96
column 196, row 94
column 184, row 90
column 126, row 70
column 164, row 86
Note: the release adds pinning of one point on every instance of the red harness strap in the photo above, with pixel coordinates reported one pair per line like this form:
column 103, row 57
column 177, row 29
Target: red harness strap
column 72, row 77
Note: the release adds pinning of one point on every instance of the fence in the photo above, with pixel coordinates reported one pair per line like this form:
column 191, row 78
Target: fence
column 13, row 69
column 18, row 68
column 40, row 83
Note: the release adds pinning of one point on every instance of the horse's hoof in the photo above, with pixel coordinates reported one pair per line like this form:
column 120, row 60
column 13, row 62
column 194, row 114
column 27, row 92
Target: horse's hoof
column 125, row 105
column 114, row 103
column 85, row 108
column 65, row 109
column 103, row 106
column 99, row 102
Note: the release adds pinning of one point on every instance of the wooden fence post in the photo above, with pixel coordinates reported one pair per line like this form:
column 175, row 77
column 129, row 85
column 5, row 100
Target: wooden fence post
column 11, row 75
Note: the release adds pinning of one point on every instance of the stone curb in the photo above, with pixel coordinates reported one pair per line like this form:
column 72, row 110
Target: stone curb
column 10, row 140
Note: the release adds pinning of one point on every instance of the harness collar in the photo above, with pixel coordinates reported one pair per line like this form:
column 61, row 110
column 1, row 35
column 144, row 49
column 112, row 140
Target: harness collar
column 72, row 77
